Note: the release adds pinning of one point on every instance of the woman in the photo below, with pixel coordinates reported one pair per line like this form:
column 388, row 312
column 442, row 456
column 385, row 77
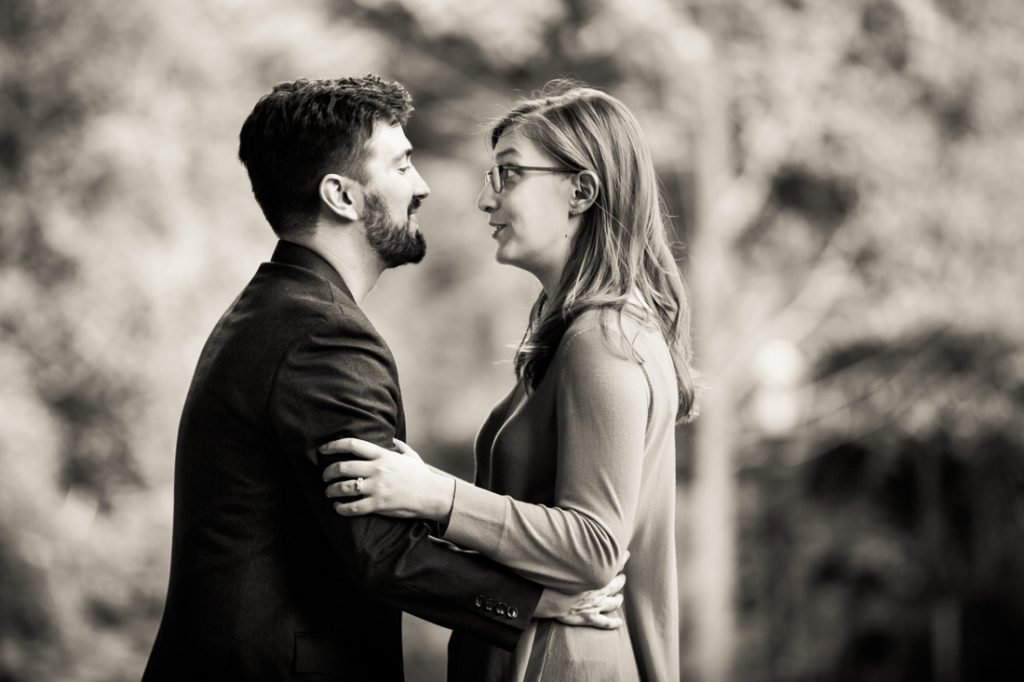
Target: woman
column 576, row 465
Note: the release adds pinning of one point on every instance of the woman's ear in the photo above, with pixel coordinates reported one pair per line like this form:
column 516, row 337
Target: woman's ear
column 341, row 195
column 585, row 188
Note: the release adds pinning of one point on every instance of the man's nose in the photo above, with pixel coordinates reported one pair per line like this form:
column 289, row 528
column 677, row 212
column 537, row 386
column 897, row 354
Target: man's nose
column 421, row 190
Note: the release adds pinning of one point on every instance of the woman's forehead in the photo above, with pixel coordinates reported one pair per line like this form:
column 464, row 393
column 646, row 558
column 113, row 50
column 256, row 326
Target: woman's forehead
column 514, row 147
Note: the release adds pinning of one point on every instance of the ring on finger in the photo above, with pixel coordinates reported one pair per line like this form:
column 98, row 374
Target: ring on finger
column 359, row 486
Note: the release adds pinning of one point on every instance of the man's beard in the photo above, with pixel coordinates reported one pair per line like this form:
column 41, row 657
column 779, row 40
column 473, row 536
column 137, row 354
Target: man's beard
column 393, row 242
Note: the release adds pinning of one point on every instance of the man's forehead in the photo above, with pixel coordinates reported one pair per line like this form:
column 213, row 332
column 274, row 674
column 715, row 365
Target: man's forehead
column 388, row 141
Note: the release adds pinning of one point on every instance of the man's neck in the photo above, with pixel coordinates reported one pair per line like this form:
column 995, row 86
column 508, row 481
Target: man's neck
column 356, row 262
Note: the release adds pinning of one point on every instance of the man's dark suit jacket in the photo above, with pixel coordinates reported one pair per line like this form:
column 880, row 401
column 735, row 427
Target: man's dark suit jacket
column 267, row 582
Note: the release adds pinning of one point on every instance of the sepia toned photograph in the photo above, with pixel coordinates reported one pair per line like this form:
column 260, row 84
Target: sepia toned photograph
column 563, row 340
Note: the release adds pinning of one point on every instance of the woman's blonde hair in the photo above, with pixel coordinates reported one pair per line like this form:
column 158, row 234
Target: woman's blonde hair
column 620, row 254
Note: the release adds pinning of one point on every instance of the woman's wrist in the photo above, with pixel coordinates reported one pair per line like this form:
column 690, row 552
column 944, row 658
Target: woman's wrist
column 440, row 498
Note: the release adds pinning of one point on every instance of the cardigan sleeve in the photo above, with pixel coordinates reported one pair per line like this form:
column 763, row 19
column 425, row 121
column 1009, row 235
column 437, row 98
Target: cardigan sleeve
column 579, row 543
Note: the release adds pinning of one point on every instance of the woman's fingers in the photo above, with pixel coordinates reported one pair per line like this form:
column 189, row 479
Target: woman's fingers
column 354, row 446
column 350, row 469
column 404, row 449
column 350, row 488
column 360, row 508
column 387, row 482
column 370, row 505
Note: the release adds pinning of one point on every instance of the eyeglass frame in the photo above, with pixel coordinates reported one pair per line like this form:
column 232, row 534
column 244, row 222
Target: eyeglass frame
column 498, row 185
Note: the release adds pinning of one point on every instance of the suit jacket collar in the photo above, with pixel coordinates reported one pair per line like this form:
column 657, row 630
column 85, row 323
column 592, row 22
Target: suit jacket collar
column 290, row 253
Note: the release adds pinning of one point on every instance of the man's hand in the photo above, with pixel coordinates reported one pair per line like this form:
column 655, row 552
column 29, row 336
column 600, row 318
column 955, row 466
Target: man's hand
column 593, row 608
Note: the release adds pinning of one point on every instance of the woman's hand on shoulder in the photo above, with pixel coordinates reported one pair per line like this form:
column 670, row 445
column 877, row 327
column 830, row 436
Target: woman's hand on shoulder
column 382, row 481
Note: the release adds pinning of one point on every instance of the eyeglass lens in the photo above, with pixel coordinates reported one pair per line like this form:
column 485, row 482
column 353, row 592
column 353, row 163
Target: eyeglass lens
column 494, row 176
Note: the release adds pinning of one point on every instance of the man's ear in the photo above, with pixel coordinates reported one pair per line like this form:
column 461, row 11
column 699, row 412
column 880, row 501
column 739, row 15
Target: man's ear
column 585, row 188
column 342, row 196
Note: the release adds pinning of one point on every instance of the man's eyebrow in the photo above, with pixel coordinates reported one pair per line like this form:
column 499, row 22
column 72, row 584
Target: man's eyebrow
column 506, row 153
column 402, row 155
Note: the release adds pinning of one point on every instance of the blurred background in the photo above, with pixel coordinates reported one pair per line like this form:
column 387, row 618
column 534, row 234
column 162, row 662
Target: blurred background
column 846, row 183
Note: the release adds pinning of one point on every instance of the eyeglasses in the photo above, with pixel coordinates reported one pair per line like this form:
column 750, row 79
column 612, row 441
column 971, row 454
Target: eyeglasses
column 498, row 175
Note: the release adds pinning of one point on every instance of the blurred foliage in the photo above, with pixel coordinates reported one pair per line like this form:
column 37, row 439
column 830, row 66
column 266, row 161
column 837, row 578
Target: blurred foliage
column 894, row 525
column 876, row 149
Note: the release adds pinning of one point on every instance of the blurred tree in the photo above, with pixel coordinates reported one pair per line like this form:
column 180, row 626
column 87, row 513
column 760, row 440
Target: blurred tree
column 879, row 222
column 896, row 522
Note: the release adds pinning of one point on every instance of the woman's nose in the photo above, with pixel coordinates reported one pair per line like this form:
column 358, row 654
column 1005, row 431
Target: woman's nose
column 486, row 201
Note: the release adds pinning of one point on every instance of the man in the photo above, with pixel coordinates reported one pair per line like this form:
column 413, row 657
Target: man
column 267, row 581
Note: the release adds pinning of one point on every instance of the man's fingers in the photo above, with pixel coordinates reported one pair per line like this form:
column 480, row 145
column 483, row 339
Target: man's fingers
column 600, row 620
column 354, row 446
column 602, row 604
column 615, row 586
column 592, row 620
column 351, row 469
column 588, row 601
column 610, row 603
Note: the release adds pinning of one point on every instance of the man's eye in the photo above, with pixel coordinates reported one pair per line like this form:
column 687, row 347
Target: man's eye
column 404, row 169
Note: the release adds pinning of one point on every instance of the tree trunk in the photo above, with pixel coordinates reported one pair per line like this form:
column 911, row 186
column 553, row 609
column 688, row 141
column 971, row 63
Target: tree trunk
column 713, row 510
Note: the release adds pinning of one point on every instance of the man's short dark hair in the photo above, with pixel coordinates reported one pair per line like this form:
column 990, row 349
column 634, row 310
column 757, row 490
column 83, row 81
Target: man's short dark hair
column 303, row 130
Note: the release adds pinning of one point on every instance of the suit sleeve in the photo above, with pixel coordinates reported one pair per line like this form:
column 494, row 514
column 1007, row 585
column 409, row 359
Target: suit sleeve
column 580, row 542
column 338, row 380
